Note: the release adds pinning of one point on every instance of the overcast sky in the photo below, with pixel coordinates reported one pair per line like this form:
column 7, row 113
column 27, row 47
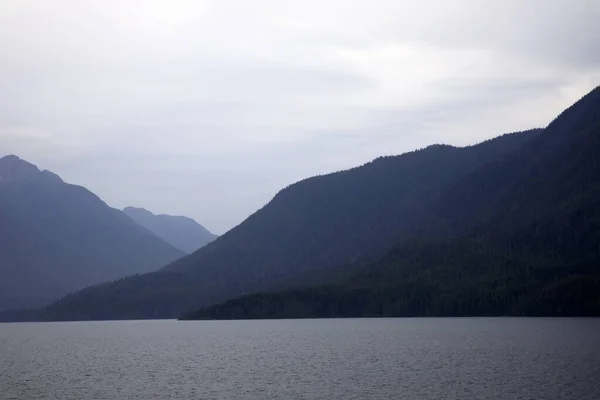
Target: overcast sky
column 208, row 108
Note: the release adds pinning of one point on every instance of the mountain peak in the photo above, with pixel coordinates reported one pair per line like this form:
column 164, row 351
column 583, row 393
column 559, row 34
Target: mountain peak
column 142, row 212
column 136, row 210
column 183, row 233
column 13, row 168
column 10, row 157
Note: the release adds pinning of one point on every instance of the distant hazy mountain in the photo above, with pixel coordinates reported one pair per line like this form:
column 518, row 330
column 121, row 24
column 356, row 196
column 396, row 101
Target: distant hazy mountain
column 56, row 238
column 182, row 233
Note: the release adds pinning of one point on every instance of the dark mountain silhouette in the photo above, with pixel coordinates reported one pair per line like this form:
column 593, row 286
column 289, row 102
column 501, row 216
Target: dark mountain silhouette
column 56, row 238
column 182, row 233
column 520, row 236
column 513, row 218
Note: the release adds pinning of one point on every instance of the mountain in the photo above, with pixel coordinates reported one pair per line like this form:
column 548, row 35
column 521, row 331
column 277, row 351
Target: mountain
column 514, row 217
column 182, row 233
column 335, row 222
column 56, row 238
column 519, row 236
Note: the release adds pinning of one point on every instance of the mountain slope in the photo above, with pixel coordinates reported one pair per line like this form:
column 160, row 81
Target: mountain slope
column 521, row 235
column 182, row 233
column 436, row 279
column 56, row 238
column 314, row 226
column 331, row 219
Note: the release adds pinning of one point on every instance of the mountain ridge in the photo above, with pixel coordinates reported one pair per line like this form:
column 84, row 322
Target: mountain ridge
column 299, row 233
column 534, row 251
column 56, row 238
column 435, row 195
column 181, row 232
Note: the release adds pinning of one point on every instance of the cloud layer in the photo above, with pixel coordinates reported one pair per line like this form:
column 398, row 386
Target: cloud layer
column 207, row 108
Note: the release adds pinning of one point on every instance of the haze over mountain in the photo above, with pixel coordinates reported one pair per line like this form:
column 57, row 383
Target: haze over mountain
column 317, row 225
column 510, row 224
column 56, row 238
column 182, row 233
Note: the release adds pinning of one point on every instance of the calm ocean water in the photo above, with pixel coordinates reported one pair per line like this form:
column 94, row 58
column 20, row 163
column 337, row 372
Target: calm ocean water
column 462, row 358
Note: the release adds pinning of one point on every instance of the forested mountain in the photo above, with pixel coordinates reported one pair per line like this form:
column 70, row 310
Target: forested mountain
column 183, row 233
column 321, row 224
column 454, row 278
column 327, row 220
column 514, row 218
column 56, row 238
column 520, row 236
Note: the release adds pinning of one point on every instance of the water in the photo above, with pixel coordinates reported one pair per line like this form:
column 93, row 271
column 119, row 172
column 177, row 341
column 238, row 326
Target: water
column 478, row 358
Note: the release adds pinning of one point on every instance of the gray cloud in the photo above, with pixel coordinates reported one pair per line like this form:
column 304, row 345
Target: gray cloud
column 207, row 108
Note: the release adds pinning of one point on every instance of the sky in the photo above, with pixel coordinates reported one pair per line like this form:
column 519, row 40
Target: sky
column 208, row 108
